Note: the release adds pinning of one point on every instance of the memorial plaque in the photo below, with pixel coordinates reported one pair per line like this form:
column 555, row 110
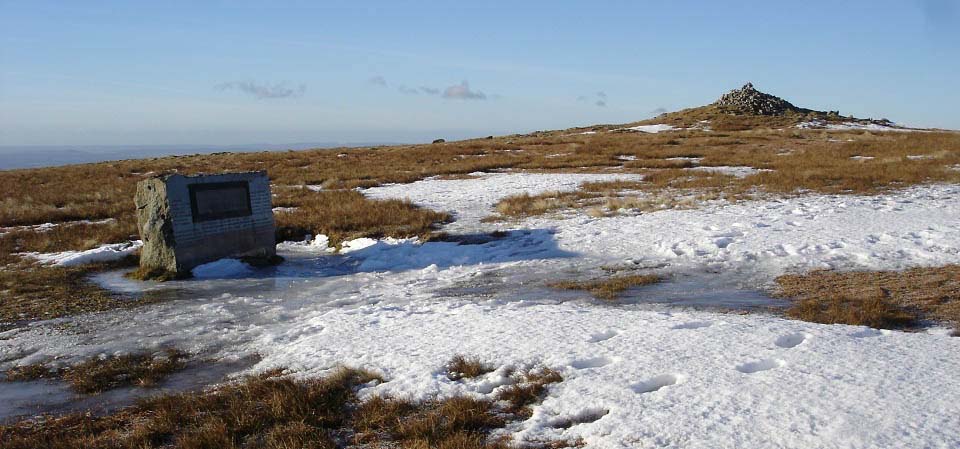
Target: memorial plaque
column 185, row 221
column 216, row 201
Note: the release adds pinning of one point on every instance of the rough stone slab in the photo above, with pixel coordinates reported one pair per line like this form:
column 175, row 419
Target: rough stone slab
column 185, row 221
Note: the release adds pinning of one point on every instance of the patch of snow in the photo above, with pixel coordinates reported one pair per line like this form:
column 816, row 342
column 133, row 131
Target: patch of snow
column 740, row 171
column 586, row 133
column 862, row 158
column 626, row 157
column 703, row 125
column 314, row 187
column 651, row 129
column 104, row 253
column 284, row 209
column 695, row 160
column 918, row 157
column 320, row 243
column 223, row 268
column 851, row 126
column 45, row 227
column 357, row 244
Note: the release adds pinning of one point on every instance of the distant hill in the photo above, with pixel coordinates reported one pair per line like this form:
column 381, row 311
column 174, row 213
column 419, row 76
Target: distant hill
column 31, row 156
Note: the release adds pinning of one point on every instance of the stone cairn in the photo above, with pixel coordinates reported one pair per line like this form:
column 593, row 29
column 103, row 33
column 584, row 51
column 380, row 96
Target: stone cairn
column 751, row 101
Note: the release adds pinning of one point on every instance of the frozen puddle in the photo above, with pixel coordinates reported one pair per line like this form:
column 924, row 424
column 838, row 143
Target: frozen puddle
column 54, row 397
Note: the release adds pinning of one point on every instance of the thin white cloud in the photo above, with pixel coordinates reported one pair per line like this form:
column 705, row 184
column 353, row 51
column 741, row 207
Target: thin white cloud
column 264, row 91
column 429, row 90
column 601, row 103
column 378, row 81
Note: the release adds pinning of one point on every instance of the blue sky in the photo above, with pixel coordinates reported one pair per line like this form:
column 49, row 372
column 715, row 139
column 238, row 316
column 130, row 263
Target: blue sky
column 127, row 72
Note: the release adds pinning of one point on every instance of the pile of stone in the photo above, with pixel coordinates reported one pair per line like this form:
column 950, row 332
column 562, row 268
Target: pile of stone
column 751, row 101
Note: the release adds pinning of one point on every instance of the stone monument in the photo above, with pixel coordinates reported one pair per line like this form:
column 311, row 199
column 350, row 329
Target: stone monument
column 185, row 221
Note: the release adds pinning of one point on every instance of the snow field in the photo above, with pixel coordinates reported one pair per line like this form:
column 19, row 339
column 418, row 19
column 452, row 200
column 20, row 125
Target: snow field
column 919, row 226
column 676, row 379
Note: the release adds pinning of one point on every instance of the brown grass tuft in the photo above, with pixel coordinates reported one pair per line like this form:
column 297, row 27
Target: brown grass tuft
column 463, row 367
column 880, row 299
column 608, row 288
column 526, row 205
column 528, row 389
column 35, row 371
column 140, row 369
column 873, row 312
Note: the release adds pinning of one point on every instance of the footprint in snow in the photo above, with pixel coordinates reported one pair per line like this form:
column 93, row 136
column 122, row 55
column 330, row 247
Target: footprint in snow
column 602, row 336
column 760, row 365
column 723, row 242
column 868, row 333
column 657, row 383
column 791, row 340
column 595, row 362
column 693, row 325
column 587, row 416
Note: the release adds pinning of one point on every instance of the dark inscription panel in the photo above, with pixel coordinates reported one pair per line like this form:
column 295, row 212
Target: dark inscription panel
column 216, row 201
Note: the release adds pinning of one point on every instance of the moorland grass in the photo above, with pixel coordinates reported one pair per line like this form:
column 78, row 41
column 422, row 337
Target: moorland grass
column 879, row 299
column 271, row 411
column 818, row 162
column 464, row 367
column 799, row 161
column 608, row 288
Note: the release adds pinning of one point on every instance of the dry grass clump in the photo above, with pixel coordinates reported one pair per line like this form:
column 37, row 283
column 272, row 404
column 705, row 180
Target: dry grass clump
column 463, row 367
column 270, row 412
column 608, row 187
column 347, row 214
column 873, row 311
column 528, row 388
column 32, row 291
column 142, row 369
column 880, row 299
column 658, row 163
column 608, row 288
column 526, row 205
column 457, row 422
column 26, row 373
